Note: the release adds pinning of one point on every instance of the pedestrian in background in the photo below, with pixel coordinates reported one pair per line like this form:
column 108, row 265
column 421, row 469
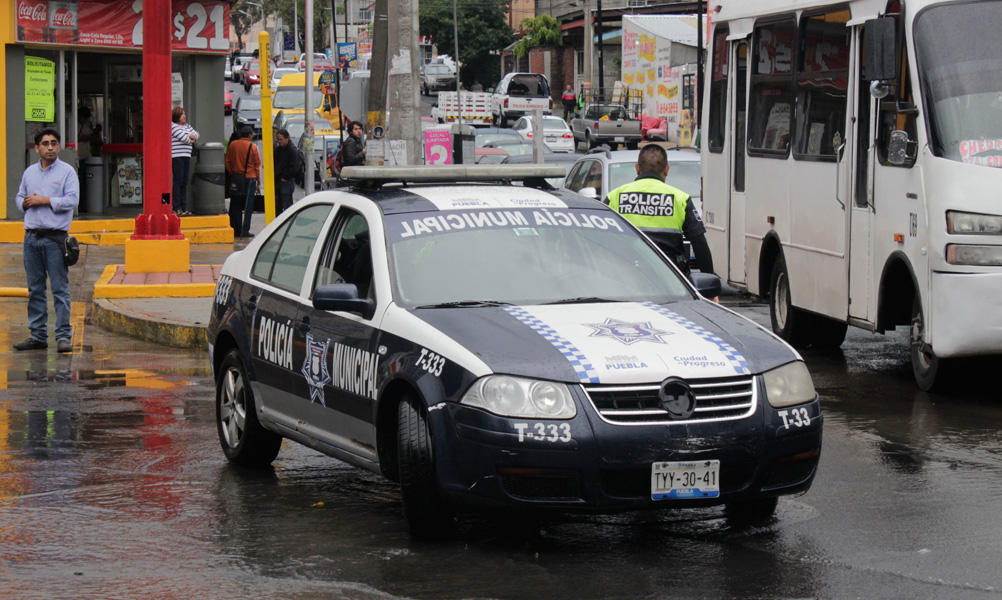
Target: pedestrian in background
column 570, row 102
column 286, row 164
column 243, row 163
column 182, row 137
column 48, row 194
column 354, row 147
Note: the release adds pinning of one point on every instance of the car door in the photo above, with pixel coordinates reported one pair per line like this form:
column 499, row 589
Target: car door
column 274, row 301
column 522, row 127
column 342, row 363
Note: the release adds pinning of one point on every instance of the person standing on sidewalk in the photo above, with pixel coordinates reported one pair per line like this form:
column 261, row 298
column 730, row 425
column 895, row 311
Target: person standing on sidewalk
column 48, row 194
column 182, row 137
column 286, row 163
column 570, row 102
column 243, row 163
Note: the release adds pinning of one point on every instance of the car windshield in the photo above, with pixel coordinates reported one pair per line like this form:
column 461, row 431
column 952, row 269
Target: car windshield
column 528, row 85
column 295, row 97
column 524, row 257
column 438, row 70
column 553, row 124
column 483, row 139
column 962, row 79
column 685, row 175
column 621, row 173
column 280, row 73
column 249, row 103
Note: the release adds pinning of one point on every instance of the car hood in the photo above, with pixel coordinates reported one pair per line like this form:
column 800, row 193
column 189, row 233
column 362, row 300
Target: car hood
column 250, row 115
column 614, row 343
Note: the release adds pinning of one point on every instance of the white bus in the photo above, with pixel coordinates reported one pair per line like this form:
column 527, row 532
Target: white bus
column 851, row 169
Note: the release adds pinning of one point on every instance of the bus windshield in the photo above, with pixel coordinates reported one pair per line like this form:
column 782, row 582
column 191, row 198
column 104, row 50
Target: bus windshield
column 957, row 47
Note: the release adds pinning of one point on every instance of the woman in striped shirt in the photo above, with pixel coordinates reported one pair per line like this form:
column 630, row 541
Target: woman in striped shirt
column 182, row 137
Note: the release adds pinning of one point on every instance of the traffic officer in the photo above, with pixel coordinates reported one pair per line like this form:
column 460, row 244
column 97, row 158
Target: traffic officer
column 661, row 211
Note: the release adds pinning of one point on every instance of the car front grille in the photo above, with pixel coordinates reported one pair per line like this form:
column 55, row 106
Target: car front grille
column 717, row 399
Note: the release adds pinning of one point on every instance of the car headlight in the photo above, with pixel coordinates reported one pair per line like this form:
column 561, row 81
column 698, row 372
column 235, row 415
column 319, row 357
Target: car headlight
column 509, row 396
column 982, row 256
column 973, row 223
column 788, row 385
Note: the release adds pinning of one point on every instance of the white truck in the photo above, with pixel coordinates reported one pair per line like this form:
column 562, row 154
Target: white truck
column 476, row 108
column 519, row 94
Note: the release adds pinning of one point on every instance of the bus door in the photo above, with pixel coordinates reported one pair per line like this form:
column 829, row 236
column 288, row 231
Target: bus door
column 857, row 170
column 737, row 269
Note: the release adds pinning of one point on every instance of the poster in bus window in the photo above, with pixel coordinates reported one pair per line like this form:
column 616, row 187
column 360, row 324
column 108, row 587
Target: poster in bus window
column 331, row 146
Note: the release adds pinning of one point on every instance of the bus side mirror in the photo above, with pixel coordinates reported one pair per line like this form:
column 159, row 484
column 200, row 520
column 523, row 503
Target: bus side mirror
column 898, row 148
column 881, row 42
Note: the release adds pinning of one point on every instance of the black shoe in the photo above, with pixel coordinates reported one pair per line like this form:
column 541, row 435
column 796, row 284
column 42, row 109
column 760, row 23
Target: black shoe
column 64, row 346
column 30, row 344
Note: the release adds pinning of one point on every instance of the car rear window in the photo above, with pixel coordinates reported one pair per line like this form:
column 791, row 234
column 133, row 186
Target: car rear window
column 528, row 86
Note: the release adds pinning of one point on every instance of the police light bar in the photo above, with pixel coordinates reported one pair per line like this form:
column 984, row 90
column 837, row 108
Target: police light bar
column 451, row 173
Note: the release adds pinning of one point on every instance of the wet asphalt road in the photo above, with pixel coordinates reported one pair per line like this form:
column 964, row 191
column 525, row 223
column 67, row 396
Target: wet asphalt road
column 113, row 485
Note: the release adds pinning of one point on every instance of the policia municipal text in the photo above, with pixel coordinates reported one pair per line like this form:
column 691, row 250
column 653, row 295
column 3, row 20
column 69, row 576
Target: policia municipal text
column 661, row 211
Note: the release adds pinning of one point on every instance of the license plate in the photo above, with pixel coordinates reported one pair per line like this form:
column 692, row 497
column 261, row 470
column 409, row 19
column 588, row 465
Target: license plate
column 680, row 480
column 619, row 139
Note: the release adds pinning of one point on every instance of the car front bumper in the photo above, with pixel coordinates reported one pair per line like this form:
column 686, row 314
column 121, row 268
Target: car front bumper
column 594, row 466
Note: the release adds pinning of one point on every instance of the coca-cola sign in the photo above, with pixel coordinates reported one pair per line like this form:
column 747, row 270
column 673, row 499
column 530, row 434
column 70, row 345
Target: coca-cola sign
column 37, row 12
column 63, row 15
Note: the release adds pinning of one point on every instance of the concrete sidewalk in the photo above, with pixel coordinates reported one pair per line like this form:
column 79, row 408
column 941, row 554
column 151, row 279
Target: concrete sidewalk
column 172, row 321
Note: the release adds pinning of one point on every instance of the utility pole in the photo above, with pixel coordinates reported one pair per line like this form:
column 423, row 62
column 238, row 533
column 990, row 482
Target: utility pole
column 589, row 47
column 376, row 116
column 601, row 54
column 699, row 64
column 308, row 84
column 459, row 92
column 403, row 129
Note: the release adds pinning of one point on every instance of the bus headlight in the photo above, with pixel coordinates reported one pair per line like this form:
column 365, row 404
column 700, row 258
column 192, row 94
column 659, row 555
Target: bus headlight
column 509, row 396
column 973, row 223
column 981, row 256
column 788, row 385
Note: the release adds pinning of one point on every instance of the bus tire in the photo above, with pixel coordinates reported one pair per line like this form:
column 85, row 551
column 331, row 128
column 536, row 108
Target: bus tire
column 427, row 512
column 827, row 333
column 930, row 371
column 788, row 322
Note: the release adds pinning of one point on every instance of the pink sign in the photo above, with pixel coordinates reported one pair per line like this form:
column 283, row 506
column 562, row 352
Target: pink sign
column 437, row 147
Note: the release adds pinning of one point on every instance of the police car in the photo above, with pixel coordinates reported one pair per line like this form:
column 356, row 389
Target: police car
column 494, row 345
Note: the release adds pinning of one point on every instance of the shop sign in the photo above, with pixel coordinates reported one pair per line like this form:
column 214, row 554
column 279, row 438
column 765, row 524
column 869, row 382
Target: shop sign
column 176, row 89
column 39, row 89
column 347, row 51
column 196, row 25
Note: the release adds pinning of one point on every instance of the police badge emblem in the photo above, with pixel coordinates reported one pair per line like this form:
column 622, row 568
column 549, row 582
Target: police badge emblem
column 315, row 368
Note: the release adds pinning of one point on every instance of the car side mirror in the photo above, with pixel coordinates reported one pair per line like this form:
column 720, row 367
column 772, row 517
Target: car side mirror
column 706, row 284
column 589, row 192
column 343, row 297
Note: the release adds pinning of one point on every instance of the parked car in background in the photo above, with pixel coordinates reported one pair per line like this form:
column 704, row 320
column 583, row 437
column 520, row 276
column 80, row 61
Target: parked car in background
column 239, row 62
column 515, row 147
column 227, row 68
column 277, row 74
column 248, row 113
column 295, row 124
column 518, row 94
column 486, row 135
column 227, row 100
column 556, row 134
column 606, row 123
column 251, row 75
column 604, row 170
column 562, row 159
column 489, row 156
column 437, row 77
column 319, row 65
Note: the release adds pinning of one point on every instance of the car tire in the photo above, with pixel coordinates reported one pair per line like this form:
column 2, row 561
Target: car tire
column 428, row 514
column 753, row 510
column 589, row 144
column 788, row 322
column 244, row 440
column 931, row 372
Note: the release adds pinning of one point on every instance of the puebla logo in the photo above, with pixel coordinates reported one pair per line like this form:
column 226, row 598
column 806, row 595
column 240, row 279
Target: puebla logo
column 627, row 332
column 315, row 368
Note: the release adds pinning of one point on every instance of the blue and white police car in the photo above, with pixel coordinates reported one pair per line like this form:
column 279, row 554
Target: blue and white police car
column 493, row 345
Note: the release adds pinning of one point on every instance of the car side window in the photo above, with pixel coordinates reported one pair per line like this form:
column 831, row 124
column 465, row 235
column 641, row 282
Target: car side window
column 576, row 177
column 347, row 255
column 594, row 177
column 283, row 258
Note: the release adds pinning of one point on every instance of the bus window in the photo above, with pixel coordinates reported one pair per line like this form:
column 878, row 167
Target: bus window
column 771, row 103
column 822, row 80
column 740, row 99
column 718, row 91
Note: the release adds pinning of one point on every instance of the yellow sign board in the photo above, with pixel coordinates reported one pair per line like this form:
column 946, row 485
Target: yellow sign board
column 39, row 89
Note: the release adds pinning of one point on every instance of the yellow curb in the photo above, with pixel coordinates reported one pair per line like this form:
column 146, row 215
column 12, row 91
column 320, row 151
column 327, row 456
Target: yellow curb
column 158, row 332
column 9, row 292
column 102, row 289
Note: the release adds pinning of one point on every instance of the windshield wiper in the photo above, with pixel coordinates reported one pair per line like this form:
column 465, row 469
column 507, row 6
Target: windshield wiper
column 583, row 300
column 466, row 303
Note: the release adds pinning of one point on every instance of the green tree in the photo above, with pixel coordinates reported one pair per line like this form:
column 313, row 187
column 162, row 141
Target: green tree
column 483, row 33
column 543, row 30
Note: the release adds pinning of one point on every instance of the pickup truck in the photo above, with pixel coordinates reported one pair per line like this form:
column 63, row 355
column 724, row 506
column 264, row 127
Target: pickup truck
column 476, row 108
column 606, row 123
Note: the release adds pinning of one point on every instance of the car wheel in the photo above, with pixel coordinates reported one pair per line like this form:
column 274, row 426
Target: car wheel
column 588, row 143
column 427, row 513
column 244, row 440
column 750, row 511
column 788, row 322
column 931, row 371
